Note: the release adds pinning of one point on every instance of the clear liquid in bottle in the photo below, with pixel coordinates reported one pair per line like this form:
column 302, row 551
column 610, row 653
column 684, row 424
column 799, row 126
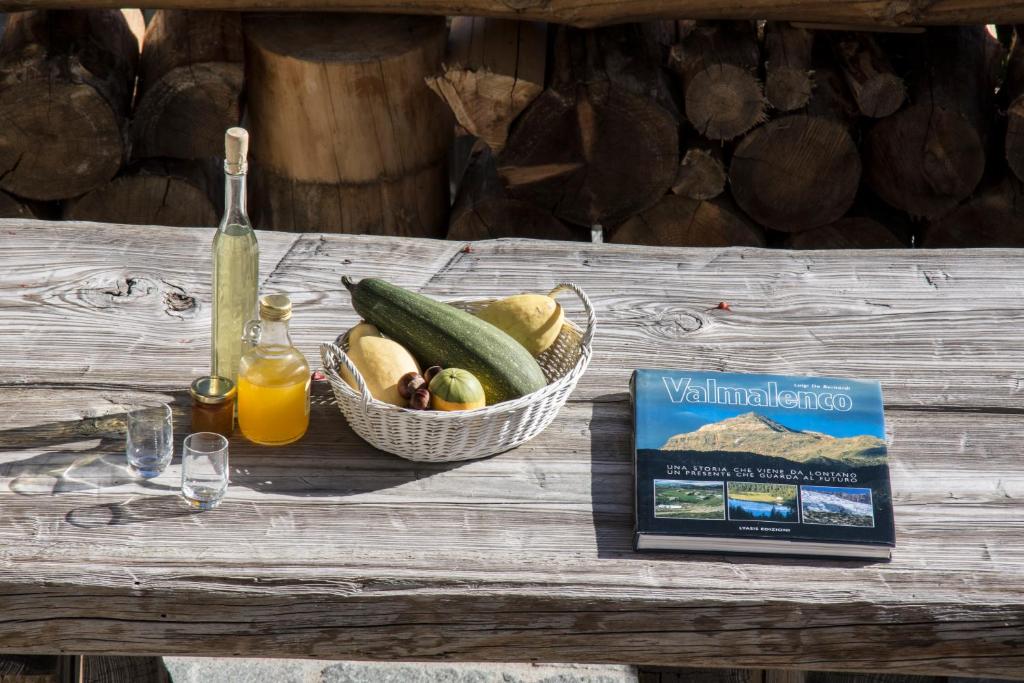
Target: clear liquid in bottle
column 235, row 263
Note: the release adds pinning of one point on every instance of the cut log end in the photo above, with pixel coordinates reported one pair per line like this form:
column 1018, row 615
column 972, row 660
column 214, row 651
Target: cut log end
column 145, row 200
column 993, row 218
column 678, row 221
column 882, row 96
column 1015, row 137
column 45, row 164
column 701, row 175
column 599, row 156
column 855, row 232
column 924, row 160
column 724, row 101
column 788, row 89
column 493, row 69
column 182, row 115
column 796, row 173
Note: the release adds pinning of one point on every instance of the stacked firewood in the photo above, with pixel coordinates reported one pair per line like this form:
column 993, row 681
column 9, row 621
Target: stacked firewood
column 662, row 133
column 738, row 133
column 96, row 128
column 106, row 118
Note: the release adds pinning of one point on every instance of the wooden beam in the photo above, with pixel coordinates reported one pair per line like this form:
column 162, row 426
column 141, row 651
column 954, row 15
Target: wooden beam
column 583, row 13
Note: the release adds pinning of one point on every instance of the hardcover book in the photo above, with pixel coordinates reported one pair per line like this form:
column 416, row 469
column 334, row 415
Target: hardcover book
column 728, row 462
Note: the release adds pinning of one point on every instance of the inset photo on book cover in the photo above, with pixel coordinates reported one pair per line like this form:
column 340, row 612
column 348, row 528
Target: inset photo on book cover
column 685, row 499
column 837, row 506
column 763, row 502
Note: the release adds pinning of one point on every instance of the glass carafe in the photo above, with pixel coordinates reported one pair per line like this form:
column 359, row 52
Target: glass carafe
column 273, row 378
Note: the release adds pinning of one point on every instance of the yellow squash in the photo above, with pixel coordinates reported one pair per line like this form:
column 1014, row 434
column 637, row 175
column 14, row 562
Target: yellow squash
column 533, row 320
column 380, row 361
column 363, row 329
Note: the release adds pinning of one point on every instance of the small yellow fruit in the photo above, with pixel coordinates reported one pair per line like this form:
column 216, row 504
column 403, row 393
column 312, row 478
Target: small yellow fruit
column 533, row 320
column 382, row 363
column 456, row 389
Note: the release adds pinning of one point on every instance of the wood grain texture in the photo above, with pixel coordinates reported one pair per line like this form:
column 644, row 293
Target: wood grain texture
column 332, row 549
column 585, row 13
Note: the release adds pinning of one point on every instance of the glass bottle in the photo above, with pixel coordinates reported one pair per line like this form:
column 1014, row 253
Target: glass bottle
column 273, row 378
column 235, row 262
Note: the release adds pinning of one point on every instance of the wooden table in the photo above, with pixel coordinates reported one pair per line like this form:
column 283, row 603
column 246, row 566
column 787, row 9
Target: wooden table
column 329, row 548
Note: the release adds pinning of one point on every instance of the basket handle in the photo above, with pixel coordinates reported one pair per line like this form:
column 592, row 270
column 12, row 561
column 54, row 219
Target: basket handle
column 333, row 356
column 588, row 335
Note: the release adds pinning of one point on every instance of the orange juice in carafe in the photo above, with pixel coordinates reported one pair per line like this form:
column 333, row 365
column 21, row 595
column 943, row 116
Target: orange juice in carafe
column 273, row 379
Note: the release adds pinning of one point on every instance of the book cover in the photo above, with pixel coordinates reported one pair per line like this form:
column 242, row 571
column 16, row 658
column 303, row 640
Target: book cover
column 766, row 462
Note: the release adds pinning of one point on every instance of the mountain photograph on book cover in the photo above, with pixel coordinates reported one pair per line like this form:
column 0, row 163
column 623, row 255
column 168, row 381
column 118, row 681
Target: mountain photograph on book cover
column 761, row 436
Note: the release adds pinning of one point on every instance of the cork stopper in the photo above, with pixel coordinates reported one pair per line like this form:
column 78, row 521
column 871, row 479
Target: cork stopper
column 236, row 150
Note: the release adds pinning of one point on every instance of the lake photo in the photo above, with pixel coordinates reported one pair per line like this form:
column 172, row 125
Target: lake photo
column 837, row 506
column 684, row 499
column 764, row 502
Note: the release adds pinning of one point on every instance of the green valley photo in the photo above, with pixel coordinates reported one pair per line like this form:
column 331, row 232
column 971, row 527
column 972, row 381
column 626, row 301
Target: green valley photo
column 675, row 499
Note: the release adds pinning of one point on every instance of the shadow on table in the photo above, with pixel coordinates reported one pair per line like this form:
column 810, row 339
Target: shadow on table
column 78, row 455
column 329, row 461
column 135, row 510
column 611, row 490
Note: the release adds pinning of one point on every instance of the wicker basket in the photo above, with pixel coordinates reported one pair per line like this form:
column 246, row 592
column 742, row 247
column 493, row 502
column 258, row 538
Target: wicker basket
column 436, row 436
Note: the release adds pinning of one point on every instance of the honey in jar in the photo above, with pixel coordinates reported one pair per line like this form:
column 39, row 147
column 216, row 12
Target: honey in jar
column 213, row 405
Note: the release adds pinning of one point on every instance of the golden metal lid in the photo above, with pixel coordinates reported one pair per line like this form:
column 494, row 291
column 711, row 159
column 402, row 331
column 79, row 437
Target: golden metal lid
column 275, row 307
column 212, row 390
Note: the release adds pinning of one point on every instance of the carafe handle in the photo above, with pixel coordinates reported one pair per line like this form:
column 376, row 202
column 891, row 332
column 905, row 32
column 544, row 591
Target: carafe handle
column 251, row 333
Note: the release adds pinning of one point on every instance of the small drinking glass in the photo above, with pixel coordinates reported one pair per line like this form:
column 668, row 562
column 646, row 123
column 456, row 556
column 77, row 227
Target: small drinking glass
column 150, row 439
column 204, row 469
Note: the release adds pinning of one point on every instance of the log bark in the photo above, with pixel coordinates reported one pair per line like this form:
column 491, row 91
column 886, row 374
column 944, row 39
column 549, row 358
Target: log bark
column 346, row 135
column 602, row 142
column 190, row 84
column 484, row 210
column 796, row 172
column 928, row 157
column 788, row 77
column 718, row 64
column 66, row 82
column 152, row 193
column 883, row 14
column 876, row 88
column 1012, row 94
column 993, row 218
column 852, row 232
column 678, row 221
column 493, row 69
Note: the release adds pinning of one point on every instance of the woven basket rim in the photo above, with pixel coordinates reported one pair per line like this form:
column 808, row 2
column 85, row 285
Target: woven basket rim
column 381, row 406
column 571, row 376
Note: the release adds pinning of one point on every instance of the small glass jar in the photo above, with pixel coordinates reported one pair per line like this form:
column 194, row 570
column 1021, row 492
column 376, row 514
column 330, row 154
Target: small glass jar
column 213, row 405
column 273, row 378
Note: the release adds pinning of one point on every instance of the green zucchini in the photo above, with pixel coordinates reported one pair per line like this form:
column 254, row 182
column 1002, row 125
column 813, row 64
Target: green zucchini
column 439, row 334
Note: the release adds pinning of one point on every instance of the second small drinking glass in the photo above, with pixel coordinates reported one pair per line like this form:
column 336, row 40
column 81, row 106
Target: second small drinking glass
column 150, row 439
column 204, row 469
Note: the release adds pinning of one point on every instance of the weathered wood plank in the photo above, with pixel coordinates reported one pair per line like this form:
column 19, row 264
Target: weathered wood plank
column 337, row 523
column 938, row 331
column 864, row 13
column 903, row 318
column 331, row 549
column 113, row 310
